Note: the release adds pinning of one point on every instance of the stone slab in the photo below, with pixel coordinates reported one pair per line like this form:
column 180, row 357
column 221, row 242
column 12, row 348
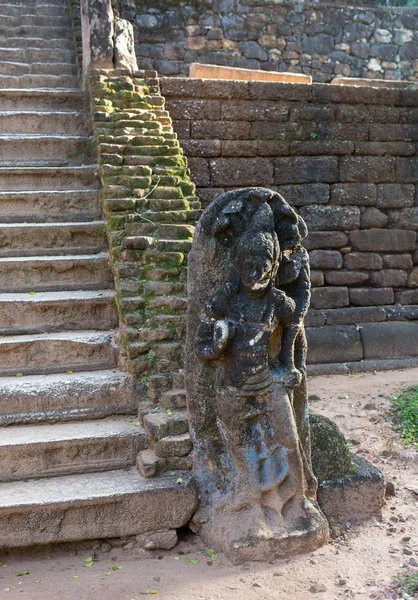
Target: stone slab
column 203, row 71
column 333, row 343
column 354, row 498
column 389, row 340
column 90, row 506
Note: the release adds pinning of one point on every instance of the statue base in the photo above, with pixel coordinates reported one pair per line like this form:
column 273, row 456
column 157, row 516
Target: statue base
column 257, row 534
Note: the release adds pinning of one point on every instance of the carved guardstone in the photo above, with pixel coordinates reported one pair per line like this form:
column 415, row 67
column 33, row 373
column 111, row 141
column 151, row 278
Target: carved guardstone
column 248, row 291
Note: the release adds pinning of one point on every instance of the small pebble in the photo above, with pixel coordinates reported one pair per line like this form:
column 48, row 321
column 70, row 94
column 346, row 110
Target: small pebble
column 317, row 588
column 407, row 551
column 413, row 562
column 370, row 406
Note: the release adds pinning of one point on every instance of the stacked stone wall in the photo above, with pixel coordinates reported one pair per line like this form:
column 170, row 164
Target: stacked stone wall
column 345, row 158
column 323, row 40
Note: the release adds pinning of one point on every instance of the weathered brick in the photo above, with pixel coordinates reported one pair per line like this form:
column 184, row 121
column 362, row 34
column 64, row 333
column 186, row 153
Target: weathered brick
column 391, row 132
column 194, row 109
column 349, row 194
column 345, row 277
column 384, row 149
column 263, row 90
column 370, row 169
column 325, row 239
column 317, row 278
column 240, row 172
column 254, row 111
column 182, row 128
column 334, row 218
column 389, row 340
column 315, row 318
column 199, row 88
column 406, row 170
column 199, row 169
column 325, row 259
column 383, row 240
column 371, row 296
column 334, row 344
column 310, row 193
column 406, row 218
column 408, row 297
column 174, row 445
column 203, row 148
column 363, row 260
column 389, row 278
column 318, row 147
column 329, row 297
column 239, row 148
column 413, row 278
column 397, row 261
column 352, row 316
column 272, row 148
column 220, row 130
column 318, row 169
column 373, row 218
column 395, row 195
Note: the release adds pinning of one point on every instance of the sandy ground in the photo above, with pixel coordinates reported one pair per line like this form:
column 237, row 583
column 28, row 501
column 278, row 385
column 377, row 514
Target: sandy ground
column 359, row 563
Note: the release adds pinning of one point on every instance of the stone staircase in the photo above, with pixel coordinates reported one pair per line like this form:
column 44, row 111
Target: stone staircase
column 68, row 452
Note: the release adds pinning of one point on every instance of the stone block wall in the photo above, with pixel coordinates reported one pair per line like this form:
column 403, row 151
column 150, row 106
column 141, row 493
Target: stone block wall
column 324, row 40
column 345, row 158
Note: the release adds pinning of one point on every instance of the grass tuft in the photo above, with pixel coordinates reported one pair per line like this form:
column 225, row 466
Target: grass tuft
column 406, row 412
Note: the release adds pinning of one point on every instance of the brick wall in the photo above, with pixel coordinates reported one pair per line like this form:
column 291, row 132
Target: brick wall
column 325, row 40
column 345, row 158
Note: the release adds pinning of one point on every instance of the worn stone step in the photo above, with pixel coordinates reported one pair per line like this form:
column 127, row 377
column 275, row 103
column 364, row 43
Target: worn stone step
column 35, row 239
column 33, row 9
column 77, row 148
column 57, row 311
column 23, row 20
column 47, row 178
column 36, row 68
column 56, row 352
column 55, row 273
column 19, row 41
column 28, row 451
column 91, row 506
column 43, row 100
column 49, row 206
column 53, row 122
column 39, row 81
column 67, row 397
column 37, row 55
column 44, row 31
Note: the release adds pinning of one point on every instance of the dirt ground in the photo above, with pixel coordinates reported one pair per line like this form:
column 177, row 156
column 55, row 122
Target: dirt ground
column 358, row 564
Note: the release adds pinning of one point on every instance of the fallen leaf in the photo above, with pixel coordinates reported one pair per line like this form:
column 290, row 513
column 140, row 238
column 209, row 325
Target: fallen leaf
column 108, row 572
column 22, row 573
column 7, row 590
column 152, row 592
column 37, row 581
column 76, row 576
column 179, row 480
column 19, row 375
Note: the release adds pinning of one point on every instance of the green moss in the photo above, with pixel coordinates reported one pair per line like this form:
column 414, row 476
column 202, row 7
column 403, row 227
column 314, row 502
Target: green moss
column 331, row 457
column 406, row 413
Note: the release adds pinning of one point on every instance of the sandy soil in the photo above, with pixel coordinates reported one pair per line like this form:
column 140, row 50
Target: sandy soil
column 359, row 563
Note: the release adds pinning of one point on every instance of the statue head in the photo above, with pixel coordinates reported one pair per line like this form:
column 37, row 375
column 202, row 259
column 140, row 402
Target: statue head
column 257, row 251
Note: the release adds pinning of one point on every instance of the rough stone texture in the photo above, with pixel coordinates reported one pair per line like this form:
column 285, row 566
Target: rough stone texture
column 124, row 46
column 243, row 293
column 331, row 457
column 97, row 24
column 389, row 340
column 332, row 344
column 356, row 497
column 320, row 40
column 92, row 506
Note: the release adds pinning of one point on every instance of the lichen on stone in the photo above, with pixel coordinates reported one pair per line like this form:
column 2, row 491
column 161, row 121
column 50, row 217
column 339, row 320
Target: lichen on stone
column 331, row 456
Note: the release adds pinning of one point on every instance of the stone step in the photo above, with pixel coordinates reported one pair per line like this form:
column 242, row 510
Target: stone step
column 77, row 148
column 20, row 41
column 57, row 311
column 44, row 31
column 49, row 206
column 91, row 506
column 55, row 273
column 28, row 451
column 36, row 10
column 36, row 68
column 47, row 178
column 67, row 397
column 37, row 55
column 39, row 81
column 37, row 122
column 56, row 352
column 36, row 239
column 43, row 100
column 23, row 19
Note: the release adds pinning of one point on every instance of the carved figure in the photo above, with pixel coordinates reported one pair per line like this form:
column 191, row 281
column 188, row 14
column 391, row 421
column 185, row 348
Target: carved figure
column 256, row 485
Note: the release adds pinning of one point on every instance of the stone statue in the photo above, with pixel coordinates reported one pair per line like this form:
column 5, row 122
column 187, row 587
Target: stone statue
column 246, row 379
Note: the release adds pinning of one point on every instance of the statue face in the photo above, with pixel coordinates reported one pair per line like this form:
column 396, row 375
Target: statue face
column 256, row 272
